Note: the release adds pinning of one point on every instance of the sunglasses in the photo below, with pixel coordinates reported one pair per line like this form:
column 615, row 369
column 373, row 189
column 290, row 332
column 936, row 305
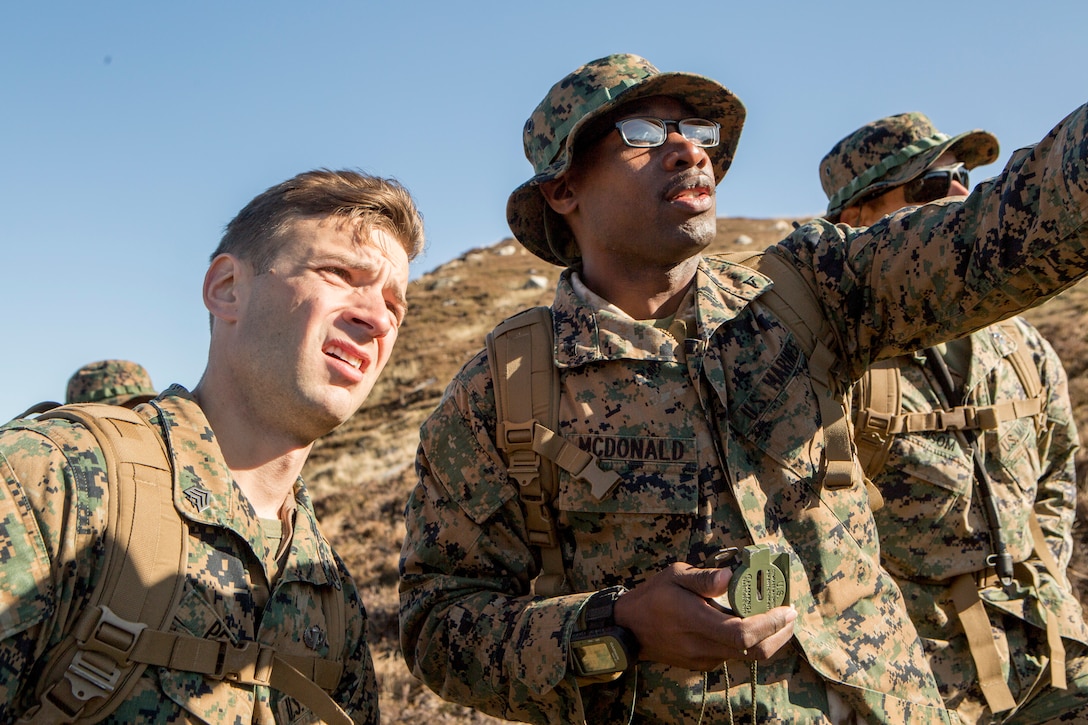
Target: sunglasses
column 646, row 133
column 935, row 184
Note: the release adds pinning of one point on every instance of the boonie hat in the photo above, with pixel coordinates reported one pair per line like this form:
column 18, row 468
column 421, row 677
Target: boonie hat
column 589, row 92
column 116, row 382
column 892, row 151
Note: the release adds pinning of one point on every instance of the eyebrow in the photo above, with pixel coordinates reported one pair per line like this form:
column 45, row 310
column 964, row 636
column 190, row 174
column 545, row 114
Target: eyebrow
column 354, row 262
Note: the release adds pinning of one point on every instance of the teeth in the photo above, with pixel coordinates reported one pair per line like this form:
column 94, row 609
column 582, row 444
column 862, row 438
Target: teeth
column 340, row 354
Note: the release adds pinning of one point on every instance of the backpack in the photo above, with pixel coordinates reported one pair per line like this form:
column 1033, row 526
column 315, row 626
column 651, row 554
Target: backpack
column 880, row 417
column 521, row 352
column 125, row 625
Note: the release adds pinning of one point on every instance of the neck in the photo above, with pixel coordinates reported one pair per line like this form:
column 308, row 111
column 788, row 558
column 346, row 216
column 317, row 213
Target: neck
column 265, row 462
column 642, row 292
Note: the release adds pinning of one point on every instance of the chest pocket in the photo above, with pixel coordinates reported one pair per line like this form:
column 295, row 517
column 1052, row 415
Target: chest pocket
column 1018, row 449
column 650, row 511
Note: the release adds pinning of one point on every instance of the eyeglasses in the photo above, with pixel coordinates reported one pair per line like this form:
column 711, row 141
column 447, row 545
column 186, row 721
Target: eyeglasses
column 935, row 184
column 646, row 133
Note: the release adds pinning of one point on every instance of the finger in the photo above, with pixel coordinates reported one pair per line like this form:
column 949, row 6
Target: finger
column 764, row 634
column 706, row 583
column 736, row 634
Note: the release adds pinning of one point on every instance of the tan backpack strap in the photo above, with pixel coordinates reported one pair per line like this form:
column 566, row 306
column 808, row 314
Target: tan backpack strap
column 879, row 399
column 526, row 383
column 90, row 672
column 125, row 629
column 980, row 640
column 306, row 679
column 1025, row 368
column 1029, row 577
column 873, row 421
column 1042, row 550
column 795, row 303
column 880, row 414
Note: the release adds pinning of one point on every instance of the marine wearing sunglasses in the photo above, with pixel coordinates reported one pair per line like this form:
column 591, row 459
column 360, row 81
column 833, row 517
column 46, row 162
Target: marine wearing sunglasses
column 947, row 177
column 936, row 183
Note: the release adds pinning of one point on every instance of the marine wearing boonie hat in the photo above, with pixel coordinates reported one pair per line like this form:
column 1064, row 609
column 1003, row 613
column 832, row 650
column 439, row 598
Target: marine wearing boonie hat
column 890, row 152
column 591, row 91
column 116, row 382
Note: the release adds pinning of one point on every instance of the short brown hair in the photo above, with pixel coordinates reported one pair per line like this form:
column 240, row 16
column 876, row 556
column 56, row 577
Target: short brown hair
column 255, row 234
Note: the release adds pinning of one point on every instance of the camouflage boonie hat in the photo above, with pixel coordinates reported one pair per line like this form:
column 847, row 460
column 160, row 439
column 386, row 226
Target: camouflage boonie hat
column 116, row 382
column 589, row 92
column 892, row 151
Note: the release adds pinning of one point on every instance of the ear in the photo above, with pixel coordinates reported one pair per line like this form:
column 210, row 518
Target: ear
column 224, row 285
column 560, row 194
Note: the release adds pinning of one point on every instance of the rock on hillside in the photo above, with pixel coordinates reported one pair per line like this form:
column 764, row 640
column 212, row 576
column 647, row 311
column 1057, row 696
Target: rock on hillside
column 360, row 474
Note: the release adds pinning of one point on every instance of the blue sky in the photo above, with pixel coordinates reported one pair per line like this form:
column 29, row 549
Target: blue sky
column 130, row 133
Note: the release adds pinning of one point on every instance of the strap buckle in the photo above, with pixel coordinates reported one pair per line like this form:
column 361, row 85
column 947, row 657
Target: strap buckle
column 875, row 424
column 250, row 663
column 112, row 636
column 103, row 654
column 517, row 440
column 955, row 419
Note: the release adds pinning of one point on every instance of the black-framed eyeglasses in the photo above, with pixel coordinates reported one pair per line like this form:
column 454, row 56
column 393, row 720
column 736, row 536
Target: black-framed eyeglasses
column 645, row 132
column 935, row 184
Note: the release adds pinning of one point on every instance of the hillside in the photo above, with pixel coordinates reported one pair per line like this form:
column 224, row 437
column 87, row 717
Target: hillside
column 360, row 475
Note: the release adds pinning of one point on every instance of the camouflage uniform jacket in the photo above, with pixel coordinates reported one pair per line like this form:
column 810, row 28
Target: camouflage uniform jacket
column 932, row 527
column 52, row 540
column 718, row 442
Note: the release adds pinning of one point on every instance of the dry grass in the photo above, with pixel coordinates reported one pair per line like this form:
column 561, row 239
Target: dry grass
column 360, row 475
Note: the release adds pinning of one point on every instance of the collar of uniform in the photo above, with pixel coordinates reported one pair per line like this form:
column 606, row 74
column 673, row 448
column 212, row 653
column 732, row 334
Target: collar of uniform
column 590, row 329
column 205, row 492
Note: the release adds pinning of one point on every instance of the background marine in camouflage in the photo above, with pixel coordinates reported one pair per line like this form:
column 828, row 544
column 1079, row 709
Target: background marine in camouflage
column 1011, row 398
column 656, row 343
column 306, row 293
column 113, row 382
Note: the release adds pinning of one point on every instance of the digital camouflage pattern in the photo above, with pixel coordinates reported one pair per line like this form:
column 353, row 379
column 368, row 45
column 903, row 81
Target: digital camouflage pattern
column 52, row 528
column 114, row 382
column 590, row 92
column 719, row 444
column 890, row 152
column 933, row 528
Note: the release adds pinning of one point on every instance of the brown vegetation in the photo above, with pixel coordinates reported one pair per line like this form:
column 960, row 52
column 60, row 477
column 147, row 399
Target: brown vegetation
column 360, row 475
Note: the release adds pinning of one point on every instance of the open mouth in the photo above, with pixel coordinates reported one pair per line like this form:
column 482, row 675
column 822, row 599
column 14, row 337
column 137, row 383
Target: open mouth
column 697, row 192
column 344, row 355
column 693, row 188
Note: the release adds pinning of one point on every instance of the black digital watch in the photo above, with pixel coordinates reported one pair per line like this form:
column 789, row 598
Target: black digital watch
column 599, row 647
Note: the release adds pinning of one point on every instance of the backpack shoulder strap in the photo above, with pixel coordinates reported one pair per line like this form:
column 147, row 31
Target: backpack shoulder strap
column 1028, row 373
column 89, row 673
column 521, row 353
column 1022, row 362
column 879, row 400
column 126, row 626
column 795, row 303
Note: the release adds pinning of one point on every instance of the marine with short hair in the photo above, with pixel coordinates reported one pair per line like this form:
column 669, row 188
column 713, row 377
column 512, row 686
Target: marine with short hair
column 980, row 553
column 306, row 292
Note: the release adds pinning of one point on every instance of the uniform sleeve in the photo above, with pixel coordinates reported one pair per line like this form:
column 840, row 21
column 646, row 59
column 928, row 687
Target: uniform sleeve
column 47, row 554
column 469, row 627
column 1056, row 498
column 938, row 272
